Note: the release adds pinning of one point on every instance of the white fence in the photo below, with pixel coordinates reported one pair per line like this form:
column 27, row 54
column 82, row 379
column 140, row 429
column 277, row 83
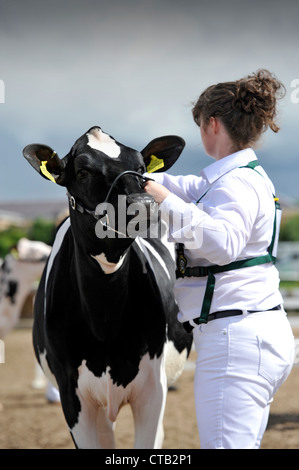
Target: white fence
column 288, row 266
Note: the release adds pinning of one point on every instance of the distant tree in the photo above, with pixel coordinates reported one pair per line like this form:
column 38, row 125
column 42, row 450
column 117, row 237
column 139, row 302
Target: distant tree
column 289, row 230
column 9, row 238
column 42, row 230
column 39, row 229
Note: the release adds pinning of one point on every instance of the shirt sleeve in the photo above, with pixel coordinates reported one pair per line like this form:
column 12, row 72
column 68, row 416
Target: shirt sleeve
column 189, row 188
column 221, row 227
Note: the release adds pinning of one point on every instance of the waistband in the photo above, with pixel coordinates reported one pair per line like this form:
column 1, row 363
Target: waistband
column 223, row 314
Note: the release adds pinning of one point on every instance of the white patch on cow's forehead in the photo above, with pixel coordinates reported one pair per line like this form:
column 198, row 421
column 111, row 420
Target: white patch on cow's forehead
column 97, row 139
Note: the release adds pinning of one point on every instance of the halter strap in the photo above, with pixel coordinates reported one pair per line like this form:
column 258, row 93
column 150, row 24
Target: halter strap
column 75, row 205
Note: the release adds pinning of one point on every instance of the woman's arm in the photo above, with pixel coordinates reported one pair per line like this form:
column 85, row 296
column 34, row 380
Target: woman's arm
column 221, row 234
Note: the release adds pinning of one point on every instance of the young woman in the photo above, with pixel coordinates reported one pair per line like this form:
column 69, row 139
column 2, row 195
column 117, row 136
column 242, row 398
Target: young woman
column 225, row 225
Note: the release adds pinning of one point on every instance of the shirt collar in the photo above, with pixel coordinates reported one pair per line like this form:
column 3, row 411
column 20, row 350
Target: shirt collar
column 226, row 164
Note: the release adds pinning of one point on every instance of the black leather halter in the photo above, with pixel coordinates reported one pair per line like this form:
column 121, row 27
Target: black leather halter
column 75, row 205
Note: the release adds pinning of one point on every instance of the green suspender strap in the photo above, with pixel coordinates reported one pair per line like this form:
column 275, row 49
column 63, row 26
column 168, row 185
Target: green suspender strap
column 210, row 271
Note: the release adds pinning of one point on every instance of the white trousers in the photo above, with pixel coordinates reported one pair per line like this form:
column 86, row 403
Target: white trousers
column 241, row 363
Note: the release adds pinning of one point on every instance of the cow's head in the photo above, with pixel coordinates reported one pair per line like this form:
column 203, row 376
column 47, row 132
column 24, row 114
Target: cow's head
column 98, row 166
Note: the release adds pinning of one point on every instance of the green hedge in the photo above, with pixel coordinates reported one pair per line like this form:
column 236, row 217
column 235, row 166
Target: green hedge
column 39, row 230
column 289, row 230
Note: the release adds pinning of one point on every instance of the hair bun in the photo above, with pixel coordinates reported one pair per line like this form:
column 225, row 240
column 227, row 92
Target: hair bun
column 245, row 98
column 257, row 94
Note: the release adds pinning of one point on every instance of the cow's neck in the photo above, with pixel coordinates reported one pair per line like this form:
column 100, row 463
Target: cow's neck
column 108, row 252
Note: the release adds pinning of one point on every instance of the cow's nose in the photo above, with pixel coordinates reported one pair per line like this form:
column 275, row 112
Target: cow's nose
column 140, row 198
column 142, row 204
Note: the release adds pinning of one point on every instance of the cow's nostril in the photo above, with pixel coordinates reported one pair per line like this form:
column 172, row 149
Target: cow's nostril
column 142, row 207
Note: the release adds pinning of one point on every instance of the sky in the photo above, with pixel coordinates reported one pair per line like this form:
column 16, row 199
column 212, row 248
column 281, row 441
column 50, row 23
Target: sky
column 134, row 68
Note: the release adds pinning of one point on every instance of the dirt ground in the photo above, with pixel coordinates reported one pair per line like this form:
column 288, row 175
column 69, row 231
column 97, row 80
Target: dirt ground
column 28, row 421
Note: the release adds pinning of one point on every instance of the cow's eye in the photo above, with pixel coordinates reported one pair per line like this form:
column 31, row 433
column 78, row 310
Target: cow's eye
column 82, row 174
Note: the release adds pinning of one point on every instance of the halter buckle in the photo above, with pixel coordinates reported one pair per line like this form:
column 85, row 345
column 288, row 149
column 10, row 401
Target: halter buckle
column 73, row 202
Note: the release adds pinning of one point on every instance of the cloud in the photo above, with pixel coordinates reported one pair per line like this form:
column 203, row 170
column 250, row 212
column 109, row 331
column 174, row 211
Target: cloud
column 134, row 67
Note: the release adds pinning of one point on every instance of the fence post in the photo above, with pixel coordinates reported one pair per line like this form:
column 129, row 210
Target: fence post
column 2, row 352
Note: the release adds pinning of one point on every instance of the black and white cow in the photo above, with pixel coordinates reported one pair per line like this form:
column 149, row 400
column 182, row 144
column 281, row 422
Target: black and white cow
column 105, row 316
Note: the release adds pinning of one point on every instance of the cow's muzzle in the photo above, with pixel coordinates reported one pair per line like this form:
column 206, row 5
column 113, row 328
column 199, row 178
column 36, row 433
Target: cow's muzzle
column 124, row 173
column 141, row 204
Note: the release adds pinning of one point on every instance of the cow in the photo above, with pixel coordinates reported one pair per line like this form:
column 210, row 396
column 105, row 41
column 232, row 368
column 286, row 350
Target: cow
column 19, row 272
column 105, row 329
column 20, row 269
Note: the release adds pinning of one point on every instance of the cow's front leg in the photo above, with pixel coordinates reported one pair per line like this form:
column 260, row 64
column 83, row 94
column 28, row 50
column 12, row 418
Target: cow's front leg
column 87, row 419
column 149, row 404
column 94, row 430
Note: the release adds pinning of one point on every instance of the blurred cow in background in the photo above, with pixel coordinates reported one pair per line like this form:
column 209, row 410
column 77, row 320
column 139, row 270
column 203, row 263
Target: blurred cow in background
column 21, row 269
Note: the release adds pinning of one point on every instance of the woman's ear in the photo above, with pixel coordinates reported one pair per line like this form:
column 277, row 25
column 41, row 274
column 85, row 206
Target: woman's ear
column 214, row 123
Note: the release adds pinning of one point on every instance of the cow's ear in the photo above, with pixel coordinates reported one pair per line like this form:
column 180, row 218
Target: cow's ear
column 46, row 162
column 161, row 153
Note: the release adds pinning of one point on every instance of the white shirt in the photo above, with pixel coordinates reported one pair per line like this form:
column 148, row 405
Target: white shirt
column 233, row 221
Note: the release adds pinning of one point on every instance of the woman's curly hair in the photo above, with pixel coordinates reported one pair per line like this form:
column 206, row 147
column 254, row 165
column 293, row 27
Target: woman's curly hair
column 246, row 107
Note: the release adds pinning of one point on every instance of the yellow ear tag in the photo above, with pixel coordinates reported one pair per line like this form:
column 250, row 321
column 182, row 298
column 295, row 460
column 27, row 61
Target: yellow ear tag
column 43, row 169
column 155, row 164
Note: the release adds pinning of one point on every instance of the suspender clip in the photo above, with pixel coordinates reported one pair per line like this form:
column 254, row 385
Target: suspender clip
column 181, row 260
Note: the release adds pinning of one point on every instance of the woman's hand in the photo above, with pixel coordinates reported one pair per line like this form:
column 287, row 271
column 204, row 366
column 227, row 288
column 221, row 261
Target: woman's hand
column 158, row 191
